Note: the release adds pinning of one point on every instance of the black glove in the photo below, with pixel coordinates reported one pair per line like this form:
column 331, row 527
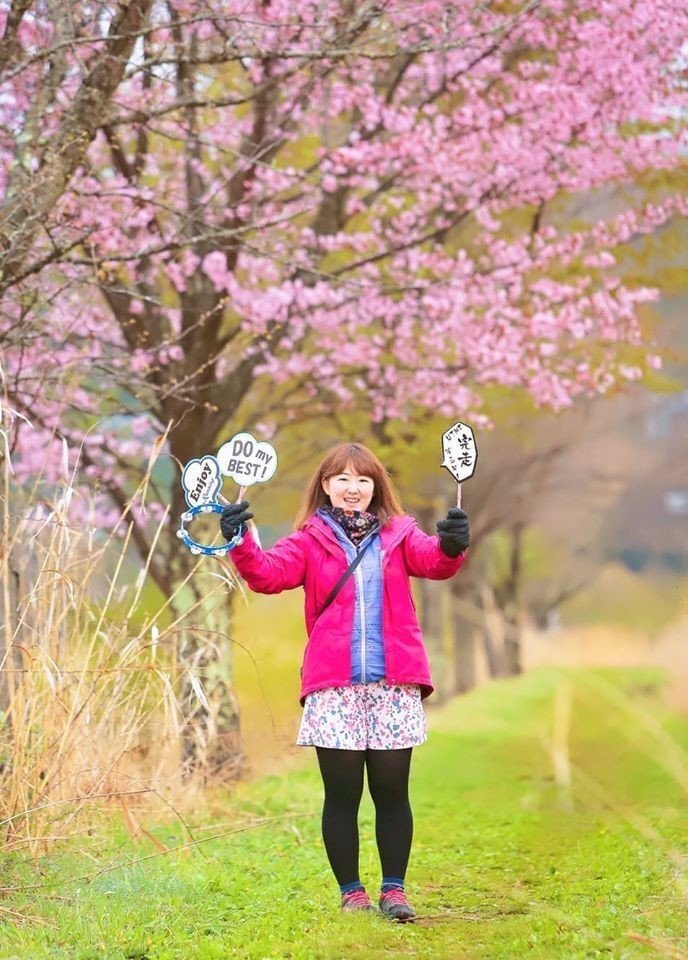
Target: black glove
column 454, row 533
column 233, row 518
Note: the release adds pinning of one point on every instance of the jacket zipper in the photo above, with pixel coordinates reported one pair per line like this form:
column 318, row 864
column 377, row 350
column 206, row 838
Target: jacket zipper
column 361, row 596
column 359, row 577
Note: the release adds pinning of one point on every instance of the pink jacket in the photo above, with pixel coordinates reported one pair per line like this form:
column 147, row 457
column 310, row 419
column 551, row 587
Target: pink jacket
column 311, row 558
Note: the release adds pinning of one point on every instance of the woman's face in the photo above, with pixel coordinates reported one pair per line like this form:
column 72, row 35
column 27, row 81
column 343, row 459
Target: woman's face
column 349, row 490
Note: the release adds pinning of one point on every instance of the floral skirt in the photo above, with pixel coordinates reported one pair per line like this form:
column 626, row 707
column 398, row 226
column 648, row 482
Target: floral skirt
column 375, row 716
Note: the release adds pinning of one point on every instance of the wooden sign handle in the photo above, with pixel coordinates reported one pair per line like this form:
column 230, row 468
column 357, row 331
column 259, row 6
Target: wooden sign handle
column 458, row 494
column 252, row 523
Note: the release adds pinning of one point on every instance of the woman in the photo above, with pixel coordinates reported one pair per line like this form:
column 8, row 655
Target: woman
column 365, row 669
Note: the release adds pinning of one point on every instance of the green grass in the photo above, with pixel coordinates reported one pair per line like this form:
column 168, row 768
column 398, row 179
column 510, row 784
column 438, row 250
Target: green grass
column 506, row 862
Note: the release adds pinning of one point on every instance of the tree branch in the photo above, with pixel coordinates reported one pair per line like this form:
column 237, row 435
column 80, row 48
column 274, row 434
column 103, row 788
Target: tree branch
column 22, row 214
column 9, row 44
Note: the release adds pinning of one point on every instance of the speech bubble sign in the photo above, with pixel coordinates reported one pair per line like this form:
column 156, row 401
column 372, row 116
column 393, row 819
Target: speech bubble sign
column 246, row 460
column 201, row 480
column 459, row 452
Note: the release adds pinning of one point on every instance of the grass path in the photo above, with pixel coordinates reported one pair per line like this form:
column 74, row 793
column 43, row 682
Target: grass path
column 506, row 861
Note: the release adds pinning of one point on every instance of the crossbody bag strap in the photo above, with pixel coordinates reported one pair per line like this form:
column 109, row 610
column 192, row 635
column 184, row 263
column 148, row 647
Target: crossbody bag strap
column 345, row 576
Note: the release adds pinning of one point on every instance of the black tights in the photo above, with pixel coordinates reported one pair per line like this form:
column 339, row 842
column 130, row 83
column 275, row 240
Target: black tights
column 388, row 775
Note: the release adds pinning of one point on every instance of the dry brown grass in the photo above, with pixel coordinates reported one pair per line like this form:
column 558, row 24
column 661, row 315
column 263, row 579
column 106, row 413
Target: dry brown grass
column 90, row 705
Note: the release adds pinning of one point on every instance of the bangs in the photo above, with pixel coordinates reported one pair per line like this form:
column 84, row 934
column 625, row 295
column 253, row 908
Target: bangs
column 363, row 462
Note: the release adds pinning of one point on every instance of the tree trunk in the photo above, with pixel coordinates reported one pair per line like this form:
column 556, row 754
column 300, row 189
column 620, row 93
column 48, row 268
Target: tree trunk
column 18, row 625
column 493, row 630
column 512, row 646
column 210, row 733
column 513, row 614
column 10, row 587
column 464, row 634
column 434, row 597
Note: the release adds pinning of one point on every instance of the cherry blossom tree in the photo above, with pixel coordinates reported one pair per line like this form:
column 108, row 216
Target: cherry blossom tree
column 219, row 215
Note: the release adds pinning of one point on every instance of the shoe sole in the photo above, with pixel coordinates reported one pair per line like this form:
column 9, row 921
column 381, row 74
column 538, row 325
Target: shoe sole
column 387, row 916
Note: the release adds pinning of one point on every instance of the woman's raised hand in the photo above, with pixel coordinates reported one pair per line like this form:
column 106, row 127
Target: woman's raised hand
column 454, row 532
column 233, row 517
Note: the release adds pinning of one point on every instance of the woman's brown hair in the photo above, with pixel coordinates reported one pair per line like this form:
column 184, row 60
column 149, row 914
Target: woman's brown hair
column 384, row 503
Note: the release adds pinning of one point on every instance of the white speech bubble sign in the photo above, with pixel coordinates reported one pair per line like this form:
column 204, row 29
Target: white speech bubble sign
column 459, row 452
column 247, row 460
column 201, row 480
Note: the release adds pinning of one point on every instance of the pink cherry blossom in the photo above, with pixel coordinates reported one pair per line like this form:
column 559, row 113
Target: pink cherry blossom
column 331, row 208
